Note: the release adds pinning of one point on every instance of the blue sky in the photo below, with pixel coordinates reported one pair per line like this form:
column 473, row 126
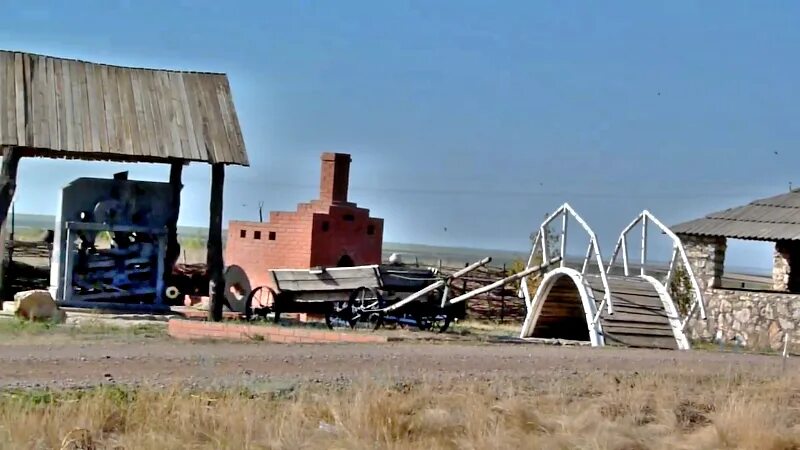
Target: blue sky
column 475, row 116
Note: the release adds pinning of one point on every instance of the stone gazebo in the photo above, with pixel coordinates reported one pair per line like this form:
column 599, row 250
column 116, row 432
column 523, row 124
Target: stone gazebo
column 762, row 318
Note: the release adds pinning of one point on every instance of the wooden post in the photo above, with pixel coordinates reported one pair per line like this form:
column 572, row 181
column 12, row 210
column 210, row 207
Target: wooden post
column 8, row 185
column 216, row 284
column 173, row 247
column 503, row 297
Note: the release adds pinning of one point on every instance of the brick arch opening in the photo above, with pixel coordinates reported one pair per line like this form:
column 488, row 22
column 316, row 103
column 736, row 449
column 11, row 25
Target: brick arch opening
column 345, row 261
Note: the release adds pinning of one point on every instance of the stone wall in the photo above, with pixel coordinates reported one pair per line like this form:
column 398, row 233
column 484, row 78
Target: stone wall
column 759, row 318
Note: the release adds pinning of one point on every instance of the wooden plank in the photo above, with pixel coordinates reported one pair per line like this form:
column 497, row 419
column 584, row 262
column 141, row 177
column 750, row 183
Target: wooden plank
column 143, row 126
column 171, row 121
column 130, row 126
column 78, row 105
column 97, row 119
column 39, row 128
column 165, row 142
column 60, row 104
column 152, row 112
column 27, row 88
column 191, row 136
column 232, row 123
column 52, row 105
column 225, row 117
column 196, row 106
column 86, row 115
column 214, row 120
column 639, row 341
column 9, row 103
column 110, row 102
column 4, row 137
column 19, row 84
column 180, row 121
column 145, row 94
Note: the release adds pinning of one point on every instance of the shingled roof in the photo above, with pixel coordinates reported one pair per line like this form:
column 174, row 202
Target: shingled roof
column 770, row 219
column 63, row 108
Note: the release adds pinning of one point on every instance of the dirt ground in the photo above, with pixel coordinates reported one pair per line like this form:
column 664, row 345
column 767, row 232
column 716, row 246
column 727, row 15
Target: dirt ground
column 72, row 360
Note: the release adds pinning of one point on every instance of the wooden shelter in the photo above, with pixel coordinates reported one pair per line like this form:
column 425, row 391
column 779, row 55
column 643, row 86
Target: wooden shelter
column 62, row 108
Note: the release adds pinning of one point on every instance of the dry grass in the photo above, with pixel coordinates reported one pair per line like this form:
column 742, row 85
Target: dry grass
column 591, row 411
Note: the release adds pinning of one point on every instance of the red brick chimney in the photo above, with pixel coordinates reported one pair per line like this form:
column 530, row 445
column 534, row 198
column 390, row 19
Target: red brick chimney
column 334, row 178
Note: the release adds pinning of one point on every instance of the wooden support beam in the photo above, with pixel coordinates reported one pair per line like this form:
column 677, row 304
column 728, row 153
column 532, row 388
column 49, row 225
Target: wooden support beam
column 173, row 247
column 216, row 284
column 8, row 185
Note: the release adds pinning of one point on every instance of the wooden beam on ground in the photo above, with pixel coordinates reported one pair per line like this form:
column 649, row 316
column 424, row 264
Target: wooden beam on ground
column 173, row 247
column 216, row 284
column 8, row 185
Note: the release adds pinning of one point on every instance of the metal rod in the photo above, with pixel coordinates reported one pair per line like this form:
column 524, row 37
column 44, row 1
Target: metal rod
column 625, row 266
column 597, row 314
column 670, row 272
column 586, row 258
column 437, row 285
column 506, row 280
column 563, row 239
column 614, row 255
column 523, row 286
column 644, row 245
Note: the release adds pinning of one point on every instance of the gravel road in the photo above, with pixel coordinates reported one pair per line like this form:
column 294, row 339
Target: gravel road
column 163, row 362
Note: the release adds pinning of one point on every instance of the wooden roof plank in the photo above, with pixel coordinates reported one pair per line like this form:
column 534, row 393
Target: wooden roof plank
column 191, row 137
column 144, row 126
column 76, row 73
column 216, row 127
column 39, row 128
column 19, row 83
column 9, row 102
column 152, row 98
column 60, row 107
column 195, row 106
column 94, row 94
column 140, row 102
column 110, row 103
column 180, row 120
column 3, row 99
column 52, row 109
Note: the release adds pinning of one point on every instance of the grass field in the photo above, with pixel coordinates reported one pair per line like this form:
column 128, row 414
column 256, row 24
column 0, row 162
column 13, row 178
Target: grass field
column 638, row 411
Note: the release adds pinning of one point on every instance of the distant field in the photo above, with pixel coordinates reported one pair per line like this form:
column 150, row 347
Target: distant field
column 193, row 242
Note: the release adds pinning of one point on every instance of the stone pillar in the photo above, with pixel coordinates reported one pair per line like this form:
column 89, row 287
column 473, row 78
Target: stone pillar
column 706, row 254
column 781, row 266
column 785, row 276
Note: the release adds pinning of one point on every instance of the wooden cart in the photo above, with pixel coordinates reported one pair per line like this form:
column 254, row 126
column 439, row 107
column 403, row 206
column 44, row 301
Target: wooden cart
column 373, row 294
column 323, row 291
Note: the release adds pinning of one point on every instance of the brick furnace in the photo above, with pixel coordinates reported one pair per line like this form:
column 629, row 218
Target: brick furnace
column 327, row 232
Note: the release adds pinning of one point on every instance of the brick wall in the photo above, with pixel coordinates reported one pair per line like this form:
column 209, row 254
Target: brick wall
column 347, row 231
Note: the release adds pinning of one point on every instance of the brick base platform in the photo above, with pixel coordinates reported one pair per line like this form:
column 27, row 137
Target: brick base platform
column 193, row 329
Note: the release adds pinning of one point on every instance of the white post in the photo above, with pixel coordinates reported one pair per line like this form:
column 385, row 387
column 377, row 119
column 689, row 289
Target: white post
column 564, row 239
column 644, row 244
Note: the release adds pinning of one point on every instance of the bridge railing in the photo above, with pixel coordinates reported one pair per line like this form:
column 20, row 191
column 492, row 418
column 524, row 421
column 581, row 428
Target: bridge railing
column 541, row 246
column 678, row 257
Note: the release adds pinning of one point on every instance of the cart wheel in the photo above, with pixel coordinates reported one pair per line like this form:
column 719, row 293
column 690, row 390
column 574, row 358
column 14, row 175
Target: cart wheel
column 438, row 323
column 339, row 312
column 363, row 303
column 260, row 301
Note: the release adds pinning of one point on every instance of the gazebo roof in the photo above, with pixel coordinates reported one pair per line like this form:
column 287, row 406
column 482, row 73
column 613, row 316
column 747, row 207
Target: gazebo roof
column 774, row 218
column 63, row 108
